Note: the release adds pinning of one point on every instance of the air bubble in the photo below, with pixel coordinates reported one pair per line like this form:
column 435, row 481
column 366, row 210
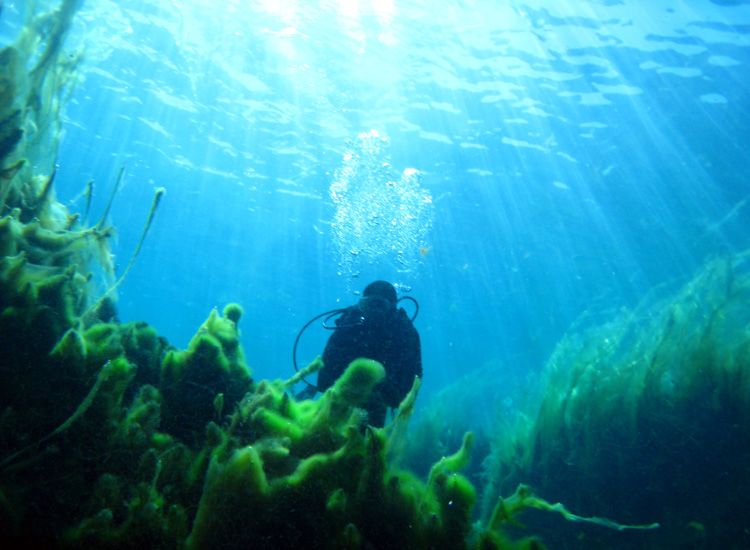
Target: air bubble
column 378, row 220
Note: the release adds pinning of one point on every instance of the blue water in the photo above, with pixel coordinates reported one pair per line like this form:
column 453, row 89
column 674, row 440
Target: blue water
column 577, row 155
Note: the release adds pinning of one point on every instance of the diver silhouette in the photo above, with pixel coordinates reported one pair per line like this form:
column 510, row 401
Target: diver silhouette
column 376, row 328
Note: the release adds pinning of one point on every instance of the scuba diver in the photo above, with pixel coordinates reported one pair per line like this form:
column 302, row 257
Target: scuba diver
column 376, row 328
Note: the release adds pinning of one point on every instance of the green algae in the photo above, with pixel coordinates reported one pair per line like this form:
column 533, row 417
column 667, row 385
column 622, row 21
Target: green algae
column 112, row 438
column 647, row 415
column 307, row 474
column 191, row 380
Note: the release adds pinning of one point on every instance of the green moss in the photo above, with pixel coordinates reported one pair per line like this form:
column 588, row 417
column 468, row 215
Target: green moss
column 113, row 439
column 167, row 464
column 357, row 382
column 233, row 312
column 336, row 504
column 668, row 380
column 456, row 498
column 225, row 331
column 14, row 272
column 71, row 349
column 237, row 484
column 191, row 380
column 149, row 524
column 272, row 422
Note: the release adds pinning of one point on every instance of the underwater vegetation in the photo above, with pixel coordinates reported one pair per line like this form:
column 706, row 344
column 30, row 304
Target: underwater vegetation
column 470, row 403
column 647, row 418
column 110, row 437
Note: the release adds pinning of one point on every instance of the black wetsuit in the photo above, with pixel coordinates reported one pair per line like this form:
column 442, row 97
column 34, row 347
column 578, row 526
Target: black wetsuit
column 391, row 340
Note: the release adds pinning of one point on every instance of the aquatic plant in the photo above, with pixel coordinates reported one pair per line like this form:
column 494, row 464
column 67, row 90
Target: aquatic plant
column 309, row 474
column 150, row 445
column 646, row 417
column 445, row 417
column 44, row 256
column 112, row 438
